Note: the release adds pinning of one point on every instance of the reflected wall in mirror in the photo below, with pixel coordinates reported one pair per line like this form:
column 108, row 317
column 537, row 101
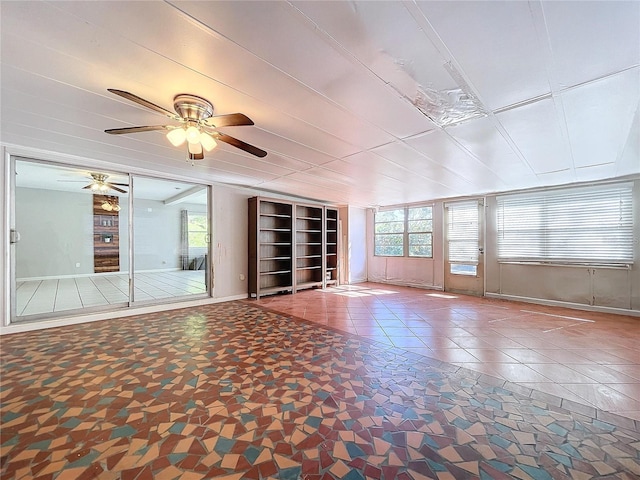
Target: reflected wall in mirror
column 55, row 259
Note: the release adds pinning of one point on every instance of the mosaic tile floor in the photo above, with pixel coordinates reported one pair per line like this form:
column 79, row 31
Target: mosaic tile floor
column 235, row 391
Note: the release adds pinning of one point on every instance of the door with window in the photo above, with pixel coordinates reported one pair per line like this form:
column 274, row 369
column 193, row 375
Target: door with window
column 464, row 247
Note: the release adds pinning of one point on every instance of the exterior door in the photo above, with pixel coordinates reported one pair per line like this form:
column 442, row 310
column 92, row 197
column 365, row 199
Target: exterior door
column 464, row 247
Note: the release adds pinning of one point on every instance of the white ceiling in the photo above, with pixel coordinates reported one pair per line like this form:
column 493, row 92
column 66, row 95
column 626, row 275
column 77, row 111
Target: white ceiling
column 337, row 91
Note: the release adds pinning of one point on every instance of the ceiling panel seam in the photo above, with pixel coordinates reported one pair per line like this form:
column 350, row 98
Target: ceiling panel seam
column 542, row 33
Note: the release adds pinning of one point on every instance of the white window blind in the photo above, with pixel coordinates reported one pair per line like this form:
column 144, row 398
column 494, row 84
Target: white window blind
column 462, row 232
column 592, row 225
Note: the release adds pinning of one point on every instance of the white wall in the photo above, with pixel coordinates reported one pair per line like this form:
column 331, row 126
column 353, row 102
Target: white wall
column 56, row 233
column 416, row 272
column 153, row 220
column 357, row 244
column 230, row 242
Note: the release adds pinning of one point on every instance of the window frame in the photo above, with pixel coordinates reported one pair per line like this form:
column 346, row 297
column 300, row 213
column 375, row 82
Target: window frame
column 405, row 233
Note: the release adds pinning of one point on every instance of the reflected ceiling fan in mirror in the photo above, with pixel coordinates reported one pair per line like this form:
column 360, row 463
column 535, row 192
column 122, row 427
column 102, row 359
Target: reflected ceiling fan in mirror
column 100, row 184
column 198, row 126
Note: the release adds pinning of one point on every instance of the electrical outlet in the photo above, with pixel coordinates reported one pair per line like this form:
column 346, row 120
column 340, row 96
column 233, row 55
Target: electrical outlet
column 77, row 265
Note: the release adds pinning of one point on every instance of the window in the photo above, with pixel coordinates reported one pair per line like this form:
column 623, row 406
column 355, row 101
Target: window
column 389, row 233
column 404, row 229
column 197, row 230
column 590, row 225
column 462, row 237
column 420, row 228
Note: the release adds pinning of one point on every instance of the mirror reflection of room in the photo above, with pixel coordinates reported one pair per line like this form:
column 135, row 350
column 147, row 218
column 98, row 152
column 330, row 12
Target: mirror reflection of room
column 74, row 248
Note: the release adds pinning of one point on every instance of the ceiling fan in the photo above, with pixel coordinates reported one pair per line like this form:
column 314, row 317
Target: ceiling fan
column 198, row 126
column 100, row 184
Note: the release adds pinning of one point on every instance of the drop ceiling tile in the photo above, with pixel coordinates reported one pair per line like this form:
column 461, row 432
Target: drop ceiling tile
column 601, row 38
column 418, row 164
column 497, row 46
column 482, row 138
column 536, row 131
column 439, row 146
column 384, row 37
column 607, row 107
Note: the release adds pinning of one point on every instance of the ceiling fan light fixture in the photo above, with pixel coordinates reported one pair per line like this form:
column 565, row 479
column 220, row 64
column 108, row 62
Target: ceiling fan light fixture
column 107, row 206
column 195, row 148
column 177, row 136
column 207, row 141
column 193, row 134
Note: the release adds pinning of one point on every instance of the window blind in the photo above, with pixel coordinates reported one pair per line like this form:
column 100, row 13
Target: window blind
column 592, row 225
column 462, row 232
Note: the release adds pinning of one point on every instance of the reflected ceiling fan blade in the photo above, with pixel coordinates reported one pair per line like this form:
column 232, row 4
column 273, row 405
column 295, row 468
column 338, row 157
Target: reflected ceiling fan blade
column 110, row 185
column 230, row 120
column 141, row 101
column 240, row 144
column 120, row 131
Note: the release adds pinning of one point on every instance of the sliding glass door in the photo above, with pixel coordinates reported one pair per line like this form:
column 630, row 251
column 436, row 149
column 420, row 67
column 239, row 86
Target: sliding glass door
column 171, row 240
column 71, row 240
column 71, row 247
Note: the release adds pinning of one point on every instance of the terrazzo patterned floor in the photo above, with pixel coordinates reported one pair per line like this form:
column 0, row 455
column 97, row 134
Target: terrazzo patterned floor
column 236, row 391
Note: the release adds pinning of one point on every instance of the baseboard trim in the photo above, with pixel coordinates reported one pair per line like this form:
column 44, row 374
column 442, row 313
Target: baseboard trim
column 558, row 303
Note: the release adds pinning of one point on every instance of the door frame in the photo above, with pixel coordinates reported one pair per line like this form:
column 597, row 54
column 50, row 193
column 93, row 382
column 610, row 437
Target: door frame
column 465, row 283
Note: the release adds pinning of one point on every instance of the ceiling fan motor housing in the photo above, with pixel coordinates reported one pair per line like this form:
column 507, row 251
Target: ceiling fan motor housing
column 192, row 107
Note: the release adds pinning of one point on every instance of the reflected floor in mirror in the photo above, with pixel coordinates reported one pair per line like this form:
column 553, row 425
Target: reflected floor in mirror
column 35, row 297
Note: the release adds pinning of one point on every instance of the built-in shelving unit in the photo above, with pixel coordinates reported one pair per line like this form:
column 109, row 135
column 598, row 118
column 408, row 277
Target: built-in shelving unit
column 292, row 246
column 271, row 247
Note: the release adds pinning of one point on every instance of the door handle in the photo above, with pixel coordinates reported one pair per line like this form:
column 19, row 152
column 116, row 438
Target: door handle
column 14, row 236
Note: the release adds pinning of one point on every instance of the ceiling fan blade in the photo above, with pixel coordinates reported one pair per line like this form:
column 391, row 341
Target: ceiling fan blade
column 230, row 120
column 240, row 144
column 121, row 184
column 141, row 101
column 110, row 185
column 120, row 131
column 88, row 186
